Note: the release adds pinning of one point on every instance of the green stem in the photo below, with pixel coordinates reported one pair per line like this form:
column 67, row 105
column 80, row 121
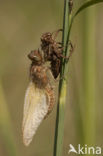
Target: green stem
column 59, row 131
column 65, row 33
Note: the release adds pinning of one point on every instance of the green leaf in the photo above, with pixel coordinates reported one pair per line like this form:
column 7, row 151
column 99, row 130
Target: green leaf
column 86, row 5
column 82, row 7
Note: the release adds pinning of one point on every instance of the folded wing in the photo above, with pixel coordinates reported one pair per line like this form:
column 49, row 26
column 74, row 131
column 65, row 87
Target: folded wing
column 35, row 109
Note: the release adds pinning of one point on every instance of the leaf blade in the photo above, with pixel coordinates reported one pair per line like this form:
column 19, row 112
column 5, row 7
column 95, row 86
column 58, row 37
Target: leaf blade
column 86, row 5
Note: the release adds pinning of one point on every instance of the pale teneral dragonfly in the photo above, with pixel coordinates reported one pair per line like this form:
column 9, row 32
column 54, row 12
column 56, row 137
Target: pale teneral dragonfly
column 39, row 97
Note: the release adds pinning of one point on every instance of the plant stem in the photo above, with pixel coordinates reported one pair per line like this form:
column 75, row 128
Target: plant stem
column 59, row 130
column 65, row 33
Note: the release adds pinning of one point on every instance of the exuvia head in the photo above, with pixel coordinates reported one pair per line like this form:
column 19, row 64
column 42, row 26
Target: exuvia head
column 46, row 37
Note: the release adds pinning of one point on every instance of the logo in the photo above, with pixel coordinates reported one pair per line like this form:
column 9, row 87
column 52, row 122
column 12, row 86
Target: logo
column 84, row 149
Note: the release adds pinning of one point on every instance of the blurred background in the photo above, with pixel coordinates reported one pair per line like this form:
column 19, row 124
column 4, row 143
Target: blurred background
column 21, row 25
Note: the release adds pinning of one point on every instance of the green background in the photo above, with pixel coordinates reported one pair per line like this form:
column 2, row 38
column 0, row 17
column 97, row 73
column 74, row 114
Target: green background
column 21, row 25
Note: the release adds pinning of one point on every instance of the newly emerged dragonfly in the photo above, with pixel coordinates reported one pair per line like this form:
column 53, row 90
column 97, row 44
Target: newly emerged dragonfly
column 39, row 97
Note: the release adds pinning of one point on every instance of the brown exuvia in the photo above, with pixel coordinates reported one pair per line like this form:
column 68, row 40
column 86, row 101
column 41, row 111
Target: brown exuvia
column 52, row 51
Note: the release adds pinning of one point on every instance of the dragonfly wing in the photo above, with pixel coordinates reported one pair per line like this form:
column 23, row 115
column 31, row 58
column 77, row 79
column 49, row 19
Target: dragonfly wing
column 35, row 109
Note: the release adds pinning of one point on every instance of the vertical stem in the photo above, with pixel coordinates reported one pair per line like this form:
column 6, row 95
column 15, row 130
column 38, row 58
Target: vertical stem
column 65, row 32
column 89, row 76
column 59, row 130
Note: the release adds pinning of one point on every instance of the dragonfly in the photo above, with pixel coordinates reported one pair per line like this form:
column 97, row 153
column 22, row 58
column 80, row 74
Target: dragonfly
column 39, row 97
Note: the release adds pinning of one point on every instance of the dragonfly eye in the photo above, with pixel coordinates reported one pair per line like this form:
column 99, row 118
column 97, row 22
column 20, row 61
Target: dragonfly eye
column 35, row 56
